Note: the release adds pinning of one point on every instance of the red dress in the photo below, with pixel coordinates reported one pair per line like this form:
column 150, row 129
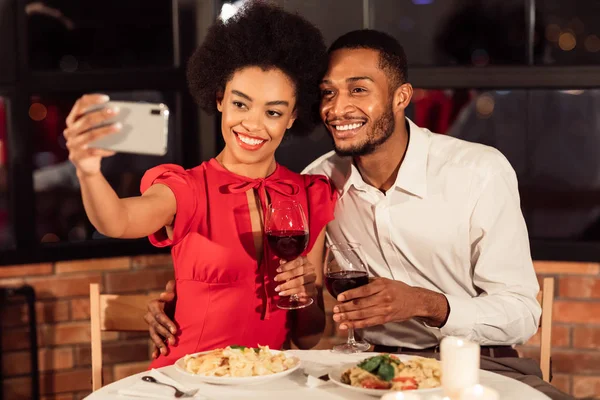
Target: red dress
column 223, row 296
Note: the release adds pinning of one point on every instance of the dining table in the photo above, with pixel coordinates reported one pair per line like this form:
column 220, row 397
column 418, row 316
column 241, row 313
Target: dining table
column 305, row 383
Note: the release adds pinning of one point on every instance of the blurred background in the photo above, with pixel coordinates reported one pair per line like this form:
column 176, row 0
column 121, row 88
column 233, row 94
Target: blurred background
column 520, row 75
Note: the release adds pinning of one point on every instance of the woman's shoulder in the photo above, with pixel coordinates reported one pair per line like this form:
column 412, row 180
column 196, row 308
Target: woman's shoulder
column 174, row 173
column 178, row 169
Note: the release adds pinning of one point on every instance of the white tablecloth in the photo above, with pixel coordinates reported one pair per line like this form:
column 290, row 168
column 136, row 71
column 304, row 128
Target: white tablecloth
column 293, row 387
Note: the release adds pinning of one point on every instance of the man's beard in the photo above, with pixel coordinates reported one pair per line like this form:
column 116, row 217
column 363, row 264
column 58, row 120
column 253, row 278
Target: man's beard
column 382, row 129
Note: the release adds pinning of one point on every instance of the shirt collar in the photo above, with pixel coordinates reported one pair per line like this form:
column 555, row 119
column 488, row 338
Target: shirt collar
column 412, row 175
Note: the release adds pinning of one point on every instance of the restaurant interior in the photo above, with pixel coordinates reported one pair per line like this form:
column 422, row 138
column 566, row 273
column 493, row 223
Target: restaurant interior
column 482, row 70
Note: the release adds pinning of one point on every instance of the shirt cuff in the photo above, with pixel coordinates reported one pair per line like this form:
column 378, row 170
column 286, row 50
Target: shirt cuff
column 462, row 317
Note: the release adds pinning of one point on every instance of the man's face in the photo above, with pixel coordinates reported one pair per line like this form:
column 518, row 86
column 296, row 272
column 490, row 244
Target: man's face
column 356, row 103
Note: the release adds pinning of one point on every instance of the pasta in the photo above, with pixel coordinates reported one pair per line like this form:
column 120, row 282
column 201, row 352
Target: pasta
column 238, row 361
column 389, row 373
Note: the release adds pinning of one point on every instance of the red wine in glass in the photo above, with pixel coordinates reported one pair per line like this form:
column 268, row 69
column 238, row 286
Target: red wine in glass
column 287, row 245
column 286, row 231
column 345, row 268
column 341, row 281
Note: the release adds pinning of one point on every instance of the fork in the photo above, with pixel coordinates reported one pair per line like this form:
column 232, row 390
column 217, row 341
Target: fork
column 178, row 393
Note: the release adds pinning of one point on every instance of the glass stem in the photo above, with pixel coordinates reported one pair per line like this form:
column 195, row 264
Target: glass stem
column 294, row 297
column 351, row 339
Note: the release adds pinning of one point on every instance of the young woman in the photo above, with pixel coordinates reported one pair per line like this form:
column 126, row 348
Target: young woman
column 261, row 71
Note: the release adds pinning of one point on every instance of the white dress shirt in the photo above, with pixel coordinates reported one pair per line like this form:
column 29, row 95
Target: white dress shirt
column 451, row 224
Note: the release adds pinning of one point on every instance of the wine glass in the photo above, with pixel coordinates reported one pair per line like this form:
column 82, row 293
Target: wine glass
column 286, row 229
column 346, row 268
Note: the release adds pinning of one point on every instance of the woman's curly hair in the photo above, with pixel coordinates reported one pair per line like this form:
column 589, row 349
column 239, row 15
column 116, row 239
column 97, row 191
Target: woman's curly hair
column 262, row 35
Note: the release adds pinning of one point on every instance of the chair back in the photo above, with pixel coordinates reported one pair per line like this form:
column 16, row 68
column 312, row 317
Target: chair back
column 112, row 312
column 546, row 299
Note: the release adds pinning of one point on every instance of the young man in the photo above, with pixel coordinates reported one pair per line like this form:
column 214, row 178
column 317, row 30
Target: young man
column 438, row 218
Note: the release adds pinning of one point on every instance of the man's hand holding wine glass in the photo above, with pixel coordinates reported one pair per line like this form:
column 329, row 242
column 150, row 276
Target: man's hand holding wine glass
column 384, row 300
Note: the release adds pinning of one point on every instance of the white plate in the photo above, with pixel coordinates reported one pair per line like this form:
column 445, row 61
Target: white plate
column 335, row 375
column 232, row 380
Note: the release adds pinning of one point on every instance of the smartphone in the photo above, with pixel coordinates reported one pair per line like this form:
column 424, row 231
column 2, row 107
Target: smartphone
column 145, row 128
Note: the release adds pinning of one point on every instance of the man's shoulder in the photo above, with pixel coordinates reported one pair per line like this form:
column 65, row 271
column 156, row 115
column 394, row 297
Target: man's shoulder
column 460, row 153
column 332, row 166
column 326, row 164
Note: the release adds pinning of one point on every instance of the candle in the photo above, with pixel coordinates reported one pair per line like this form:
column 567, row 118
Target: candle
column 400, row 396
column 460, row 365
column 479, row 392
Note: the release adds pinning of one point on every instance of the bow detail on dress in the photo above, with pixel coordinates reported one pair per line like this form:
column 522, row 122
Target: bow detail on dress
column 286, row 188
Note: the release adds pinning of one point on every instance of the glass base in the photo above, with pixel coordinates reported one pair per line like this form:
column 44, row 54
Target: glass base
column 291, row 303
column 354, row 347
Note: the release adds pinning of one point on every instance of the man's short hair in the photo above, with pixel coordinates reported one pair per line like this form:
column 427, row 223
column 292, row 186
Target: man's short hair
column 392, row 58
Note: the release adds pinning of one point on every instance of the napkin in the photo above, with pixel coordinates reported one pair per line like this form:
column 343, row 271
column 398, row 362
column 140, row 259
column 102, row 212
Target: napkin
column 150, row 390
column 313, row 373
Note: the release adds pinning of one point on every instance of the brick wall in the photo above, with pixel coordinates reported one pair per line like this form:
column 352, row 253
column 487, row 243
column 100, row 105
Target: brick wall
column 63, row 324
column 575, row 328
column 63, row 312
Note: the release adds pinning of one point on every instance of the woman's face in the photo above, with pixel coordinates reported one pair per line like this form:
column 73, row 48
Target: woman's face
column 257, row 107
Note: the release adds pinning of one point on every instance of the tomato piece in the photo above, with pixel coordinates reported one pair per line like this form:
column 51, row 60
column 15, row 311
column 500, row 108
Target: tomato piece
column 408, row 382
column 374, row 384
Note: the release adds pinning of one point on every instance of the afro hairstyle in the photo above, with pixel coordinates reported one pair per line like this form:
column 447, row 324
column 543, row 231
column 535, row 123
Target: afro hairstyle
column 261, row 35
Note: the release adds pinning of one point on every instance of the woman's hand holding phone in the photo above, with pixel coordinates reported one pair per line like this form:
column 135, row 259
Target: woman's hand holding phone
column 87, row 122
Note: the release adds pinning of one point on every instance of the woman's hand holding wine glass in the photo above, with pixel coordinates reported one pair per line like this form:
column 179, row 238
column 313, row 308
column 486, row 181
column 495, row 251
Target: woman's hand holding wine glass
column 297, row 277
column 286, row 229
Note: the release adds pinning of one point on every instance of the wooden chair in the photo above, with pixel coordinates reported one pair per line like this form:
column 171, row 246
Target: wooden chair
column 112, row 312
column 546, row 299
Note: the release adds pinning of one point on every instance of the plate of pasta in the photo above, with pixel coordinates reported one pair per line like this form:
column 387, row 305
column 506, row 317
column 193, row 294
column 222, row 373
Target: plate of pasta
column 385, row 372
column 238, row 365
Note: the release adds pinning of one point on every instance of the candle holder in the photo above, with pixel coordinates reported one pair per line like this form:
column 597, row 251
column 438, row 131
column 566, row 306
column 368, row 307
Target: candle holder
column 460, row 365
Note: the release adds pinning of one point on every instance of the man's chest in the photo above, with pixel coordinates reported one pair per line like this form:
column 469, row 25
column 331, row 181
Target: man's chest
column 404, row 236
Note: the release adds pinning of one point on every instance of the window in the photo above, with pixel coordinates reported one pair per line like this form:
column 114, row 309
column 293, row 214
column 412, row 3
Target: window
column 59, row 210
column 455, row 32
column 60, row 50
column 539, row 59
column 6, row 231
column 7, row 48
column 570, row 31
column 332, row 17
column 74, row 36
column 546, row 135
